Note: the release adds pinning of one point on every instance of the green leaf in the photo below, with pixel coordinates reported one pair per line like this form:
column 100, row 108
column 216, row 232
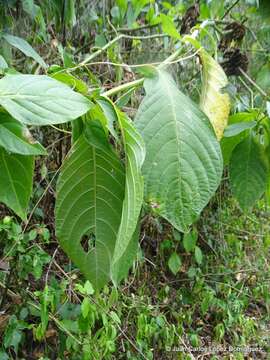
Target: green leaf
column 198, row 255
column 238, row 128
column 70, row 13
column 88, row 288
column 268, row 108
column 40, row 100
column 127, row 238
column 3, row 355
column 25, row 48
column 96, row 114
column 135, row 10
column 168, row 26
column 262, row 76
column 126, row 243
column 90, row 193
column 16, row 174
column 115, row 12
column 146, row 71
column 115, row 317
column 35, row 13
column 77, row 129
column 248, row 172
column 71, row 81
column 229, row 143
column 30, row 8
column 3, row 64
column 214, row 101
column 183, row 164
column 125, row 98
column 85, row 307
column 174, row 263
column 190, row 240
column 122, row 4
column 110, row 114
column 17, row 139
column 13, row 333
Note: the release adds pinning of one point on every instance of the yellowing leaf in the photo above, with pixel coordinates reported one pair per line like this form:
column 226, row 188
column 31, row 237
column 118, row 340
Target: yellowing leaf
column 214, row 101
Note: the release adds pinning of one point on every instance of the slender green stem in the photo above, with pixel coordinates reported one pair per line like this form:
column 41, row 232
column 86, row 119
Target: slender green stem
column 230, row 8
column 136, row 83
column 169, row 59
column 105, row 47
column 117, row 38
column 144, row 37
column 132, row 84
column 143, row 27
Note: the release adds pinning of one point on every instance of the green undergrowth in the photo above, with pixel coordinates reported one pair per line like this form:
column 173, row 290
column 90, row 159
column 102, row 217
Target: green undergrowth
column 208, row 296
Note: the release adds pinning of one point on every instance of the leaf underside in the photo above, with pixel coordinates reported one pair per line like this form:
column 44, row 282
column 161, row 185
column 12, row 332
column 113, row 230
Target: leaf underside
column 127, row 237
column 16, row 138
column 89, row 204
column 40, row 100
column 183, row 164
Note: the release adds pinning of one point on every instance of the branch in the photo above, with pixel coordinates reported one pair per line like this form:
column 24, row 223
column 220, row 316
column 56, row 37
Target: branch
column 261, row 91
column 230, row 8
column 133, row 84
column 132, row 30
column 105, row 47
column 117, row 38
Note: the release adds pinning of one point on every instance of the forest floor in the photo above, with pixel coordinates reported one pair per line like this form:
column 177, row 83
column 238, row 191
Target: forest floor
column 216, row 307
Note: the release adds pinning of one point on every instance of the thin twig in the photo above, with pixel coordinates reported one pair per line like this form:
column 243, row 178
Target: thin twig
column 165, row 62
column 96, row 53
column 128, row 30
column 229, row 9
column 110, row 43
column 261, row 91
column 61, row 130
column 50, row 265
column 133, row 84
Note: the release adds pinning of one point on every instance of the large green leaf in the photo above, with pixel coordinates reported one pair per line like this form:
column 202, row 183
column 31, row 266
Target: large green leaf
column 90, row 195
column 16, row 138
column 183, row 164
column 127, row 242
column 16, row 174
column 24, row 47
column 127, row 239
column 248, row 172
column 40, row 100
column 214, row 101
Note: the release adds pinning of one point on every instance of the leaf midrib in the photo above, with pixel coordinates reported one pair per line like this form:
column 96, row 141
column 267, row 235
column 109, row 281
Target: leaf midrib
column 179, row 178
